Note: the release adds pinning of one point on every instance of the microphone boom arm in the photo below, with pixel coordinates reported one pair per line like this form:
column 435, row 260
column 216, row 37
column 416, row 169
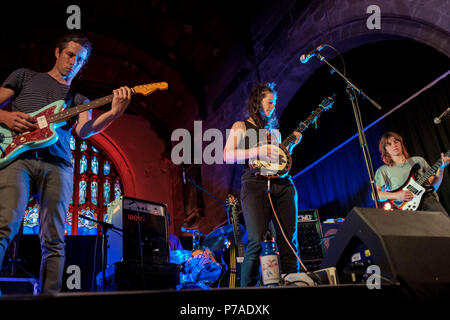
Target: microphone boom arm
column 351, row 84
column 438, row 120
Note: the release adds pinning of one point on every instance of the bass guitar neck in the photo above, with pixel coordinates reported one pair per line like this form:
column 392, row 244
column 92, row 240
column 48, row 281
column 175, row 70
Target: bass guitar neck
column 417, row 185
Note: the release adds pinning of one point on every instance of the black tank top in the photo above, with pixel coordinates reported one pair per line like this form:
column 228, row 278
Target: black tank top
column 247, row 172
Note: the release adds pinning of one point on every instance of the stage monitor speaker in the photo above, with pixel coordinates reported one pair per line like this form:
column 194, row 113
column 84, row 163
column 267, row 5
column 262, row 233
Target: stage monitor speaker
column 410, row 248
column 144, row 234
column 126, row 276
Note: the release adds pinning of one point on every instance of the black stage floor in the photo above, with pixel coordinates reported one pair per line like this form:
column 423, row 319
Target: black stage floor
column 291, row 302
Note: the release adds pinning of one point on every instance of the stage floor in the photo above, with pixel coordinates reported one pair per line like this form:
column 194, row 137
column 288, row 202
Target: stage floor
column 230, row 303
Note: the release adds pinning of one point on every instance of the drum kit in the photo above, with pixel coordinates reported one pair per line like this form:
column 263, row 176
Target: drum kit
column 200, row 268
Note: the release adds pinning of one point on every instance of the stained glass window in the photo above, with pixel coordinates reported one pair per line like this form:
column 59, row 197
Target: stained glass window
column 82, row 192
column 96, row 183
column 68, row 223
column 72, row 143
column 106, row 168
column 83, row 164
column 94, row 165
column 83, row 146
column 94, row 190
column 85, row 226
column 31, row 219
column 117, row 191
column 106, row 192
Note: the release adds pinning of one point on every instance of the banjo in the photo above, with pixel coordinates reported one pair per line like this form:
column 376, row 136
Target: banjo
column 280, row 168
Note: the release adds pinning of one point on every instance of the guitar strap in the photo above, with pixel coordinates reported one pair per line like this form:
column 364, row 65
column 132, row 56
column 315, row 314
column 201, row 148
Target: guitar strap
column 411, row 162
column 70, row 100
column 70, row 96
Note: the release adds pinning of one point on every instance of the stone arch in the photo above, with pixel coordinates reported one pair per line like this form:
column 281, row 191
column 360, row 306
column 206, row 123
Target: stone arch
column 343, row 25
column 288, row 28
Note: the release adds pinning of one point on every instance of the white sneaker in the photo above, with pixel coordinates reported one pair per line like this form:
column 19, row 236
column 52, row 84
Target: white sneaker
column 297, row 279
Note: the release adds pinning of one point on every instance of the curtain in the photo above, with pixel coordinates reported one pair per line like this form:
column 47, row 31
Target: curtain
column 340, row 181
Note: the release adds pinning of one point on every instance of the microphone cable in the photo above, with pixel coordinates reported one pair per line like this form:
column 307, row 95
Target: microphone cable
column 282, row 229
column 340, row 56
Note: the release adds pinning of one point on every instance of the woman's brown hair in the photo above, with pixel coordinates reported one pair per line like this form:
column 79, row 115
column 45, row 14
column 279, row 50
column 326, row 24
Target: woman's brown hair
column 385, row 157
column 256, row 96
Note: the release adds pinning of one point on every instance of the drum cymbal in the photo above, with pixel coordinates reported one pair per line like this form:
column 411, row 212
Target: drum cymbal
column 179, row 256
column 217, row 239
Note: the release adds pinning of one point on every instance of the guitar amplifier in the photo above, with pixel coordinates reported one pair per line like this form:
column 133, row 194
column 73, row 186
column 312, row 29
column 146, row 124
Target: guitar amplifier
column 144, row 234
column 309, row 237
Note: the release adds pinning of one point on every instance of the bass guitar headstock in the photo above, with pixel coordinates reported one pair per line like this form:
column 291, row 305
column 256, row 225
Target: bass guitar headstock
column 232, row 201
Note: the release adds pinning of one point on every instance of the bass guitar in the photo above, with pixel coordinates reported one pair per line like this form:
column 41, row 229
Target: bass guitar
column 50, row 117
column 236, row 252
column 415, row 184
column 281, row 167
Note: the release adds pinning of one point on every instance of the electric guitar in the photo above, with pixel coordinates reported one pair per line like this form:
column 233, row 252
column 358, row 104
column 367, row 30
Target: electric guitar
column 281, row 168
column 235, row 260
column 50, row 117
column 416, row 186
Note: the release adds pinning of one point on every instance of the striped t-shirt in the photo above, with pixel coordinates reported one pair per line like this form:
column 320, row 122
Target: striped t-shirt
column 33, row 91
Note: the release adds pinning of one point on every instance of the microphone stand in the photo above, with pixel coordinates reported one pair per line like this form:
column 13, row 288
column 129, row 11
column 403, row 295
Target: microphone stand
column 351, row 92
column 195, row 233
column 209, row 194
column 105, row 227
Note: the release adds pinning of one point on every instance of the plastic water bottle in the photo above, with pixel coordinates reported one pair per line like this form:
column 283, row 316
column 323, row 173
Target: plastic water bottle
column 270, row 262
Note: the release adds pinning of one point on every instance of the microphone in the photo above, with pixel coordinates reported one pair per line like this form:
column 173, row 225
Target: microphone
column 193, row 231
column 184, row 176
column 187, row 230
column 443, row 114
column 304, row 58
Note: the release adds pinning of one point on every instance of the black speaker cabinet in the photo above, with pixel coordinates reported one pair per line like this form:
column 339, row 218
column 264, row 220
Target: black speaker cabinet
column 144, row 233
column 82, row 252
column 410, row 248
column 132, row 275
column 308, row 236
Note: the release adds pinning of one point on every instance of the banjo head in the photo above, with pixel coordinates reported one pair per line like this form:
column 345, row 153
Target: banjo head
column 275, row 169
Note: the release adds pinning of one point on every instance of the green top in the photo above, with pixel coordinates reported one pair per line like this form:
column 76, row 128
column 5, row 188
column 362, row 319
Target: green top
column 393, row 177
